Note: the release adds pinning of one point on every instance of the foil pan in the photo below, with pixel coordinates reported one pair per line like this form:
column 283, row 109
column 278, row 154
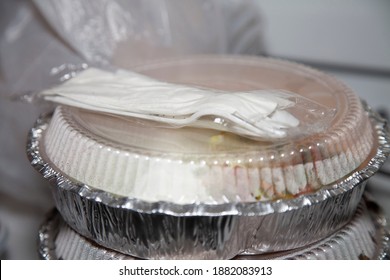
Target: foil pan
column 365, row 237
column 164, row 230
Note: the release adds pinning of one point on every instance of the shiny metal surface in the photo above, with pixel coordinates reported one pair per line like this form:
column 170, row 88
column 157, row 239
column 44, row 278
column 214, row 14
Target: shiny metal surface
column 164, row 230
column 365, row 237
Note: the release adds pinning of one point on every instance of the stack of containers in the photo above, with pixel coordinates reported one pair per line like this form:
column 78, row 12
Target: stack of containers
column 127, row 189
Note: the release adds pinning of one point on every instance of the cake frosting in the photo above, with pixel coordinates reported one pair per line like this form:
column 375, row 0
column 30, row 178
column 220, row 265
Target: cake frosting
column 140, row 158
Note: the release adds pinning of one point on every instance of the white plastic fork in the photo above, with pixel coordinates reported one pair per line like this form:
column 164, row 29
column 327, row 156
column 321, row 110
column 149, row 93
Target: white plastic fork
column 259, row 114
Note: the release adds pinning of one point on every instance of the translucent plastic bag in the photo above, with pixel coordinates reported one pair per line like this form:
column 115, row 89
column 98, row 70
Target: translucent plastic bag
column 45, row 42
column 50, row 39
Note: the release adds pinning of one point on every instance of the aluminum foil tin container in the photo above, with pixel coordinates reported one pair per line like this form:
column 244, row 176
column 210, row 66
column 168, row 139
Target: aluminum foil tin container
column 364, row 237
column 164, row 230
column 153, row 162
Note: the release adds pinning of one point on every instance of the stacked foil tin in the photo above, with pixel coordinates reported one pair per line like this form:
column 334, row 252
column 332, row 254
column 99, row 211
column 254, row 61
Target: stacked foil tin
column 94, row 223
column 364, row 237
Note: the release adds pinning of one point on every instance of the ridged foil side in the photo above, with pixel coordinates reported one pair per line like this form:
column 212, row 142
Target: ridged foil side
column 157, row 235
column 165, row 230
column 364, row 237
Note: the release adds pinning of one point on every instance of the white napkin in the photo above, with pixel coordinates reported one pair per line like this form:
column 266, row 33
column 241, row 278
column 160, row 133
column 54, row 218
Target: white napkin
column 258, row 114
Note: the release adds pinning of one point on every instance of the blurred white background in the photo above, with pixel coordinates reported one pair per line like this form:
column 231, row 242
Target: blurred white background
column 349, row 39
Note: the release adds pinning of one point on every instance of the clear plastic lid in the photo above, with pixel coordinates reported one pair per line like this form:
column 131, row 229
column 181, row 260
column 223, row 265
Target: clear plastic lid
column 189, row 164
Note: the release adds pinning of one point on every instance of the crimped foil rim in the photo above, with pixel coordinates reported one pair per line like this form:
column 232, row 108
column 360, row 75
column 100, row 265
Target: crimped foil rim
column 47, row 234
column 201, row 209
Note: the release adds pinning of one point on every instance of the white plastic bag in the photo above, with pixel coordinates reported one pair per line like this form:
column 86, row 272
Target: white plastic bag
column 49, row 40
column 43, row 42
